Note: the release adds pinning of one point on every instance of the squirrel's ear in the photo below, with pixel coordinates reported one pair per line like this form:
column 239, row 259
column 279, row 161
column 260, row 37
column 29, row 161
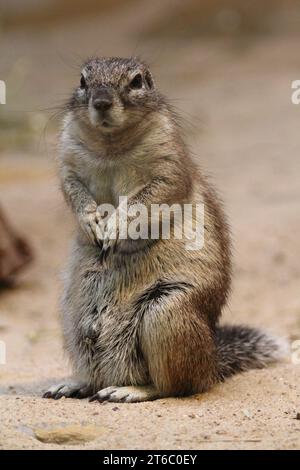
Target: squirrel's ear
column 149, row 79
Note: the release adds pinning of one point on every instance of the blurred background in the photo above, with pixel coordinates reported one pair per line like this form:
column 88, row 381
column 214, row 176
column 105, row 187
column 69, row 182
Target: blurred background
column 227, row 66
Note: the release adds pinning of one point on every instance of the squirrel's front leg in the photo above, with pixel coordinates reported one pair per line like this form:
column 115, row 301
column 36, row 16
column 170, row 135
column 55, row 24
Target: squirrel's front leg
column 91, row 224
column 84, row 207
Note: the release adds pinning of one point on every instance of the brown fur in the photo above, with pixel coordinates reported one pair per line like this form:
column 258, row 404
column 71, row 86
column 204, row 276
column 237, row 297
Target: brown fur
column 140, row 316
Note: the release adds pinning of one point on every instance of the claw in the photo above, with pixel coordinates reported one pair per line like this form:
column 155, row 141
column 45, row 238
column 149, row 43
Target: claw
column 94, row 398
column 123, row 399
column 97, row 397
column 58, row 396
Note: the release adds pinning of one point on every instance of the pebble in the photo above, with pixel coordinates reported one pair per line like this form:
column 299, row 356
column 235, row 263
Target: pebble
column 70, row 434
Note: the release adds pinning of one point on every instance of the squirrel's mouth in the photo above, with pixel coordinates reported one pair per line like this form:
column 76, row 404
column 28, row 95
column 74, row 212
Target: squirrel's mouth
column 106, row 124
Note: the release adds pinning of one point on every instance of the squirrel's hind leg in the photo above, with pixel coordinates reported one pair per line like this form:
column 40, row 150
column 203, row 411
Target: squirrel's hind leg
column 69, row 389
column 178, row 346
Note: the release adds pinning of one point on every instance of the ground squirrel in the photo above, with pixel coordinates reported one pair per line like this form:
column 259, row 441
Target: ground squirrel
column 141, row 316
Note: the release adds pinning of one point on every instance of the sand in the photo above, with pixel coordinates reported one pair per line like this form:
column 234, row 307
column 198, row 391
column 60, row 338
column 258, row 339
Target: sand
column 244, row 130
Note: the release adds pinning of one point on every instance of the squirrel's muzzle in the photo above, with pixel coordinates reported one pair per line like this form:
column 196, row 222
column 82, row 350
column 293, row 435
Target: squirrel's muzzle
column 102, row 101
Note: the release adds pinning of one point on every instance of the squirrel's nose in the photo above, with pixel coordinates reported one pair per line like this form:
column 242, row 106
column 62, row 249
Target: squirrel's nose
column 102, row 104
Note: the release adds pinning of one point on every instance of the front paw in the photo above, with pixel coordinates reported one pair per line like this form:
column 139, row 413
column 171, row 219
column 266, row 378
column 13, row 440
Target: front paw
column 92, row 227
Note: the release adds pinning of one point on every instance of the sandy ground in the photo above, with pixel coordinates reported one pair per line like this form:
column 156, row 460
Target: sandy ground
column 243, row 130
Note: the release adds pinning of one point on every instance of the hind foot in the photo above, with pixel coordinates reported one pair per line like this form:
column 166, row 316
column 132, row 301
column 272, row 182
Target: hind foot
column 132, row 394
column 71, row 389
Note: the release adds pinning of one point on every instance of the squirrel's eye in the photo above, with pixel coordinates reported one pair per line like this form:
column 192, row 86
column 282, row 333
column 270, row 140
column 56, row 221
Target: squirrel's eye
column 136, row 82
column 82, row 82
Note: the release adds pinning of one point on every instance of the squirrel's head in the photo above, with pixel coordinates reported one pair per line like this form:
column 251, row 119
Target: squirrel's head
column 114, row 94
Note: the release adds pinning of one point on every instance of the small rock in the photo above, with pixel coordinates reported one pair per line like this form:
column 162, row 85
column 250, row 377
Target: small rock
column 70, row 434
column 298, row 416
column 33, row 336
column 247, row 413
column 115, row 408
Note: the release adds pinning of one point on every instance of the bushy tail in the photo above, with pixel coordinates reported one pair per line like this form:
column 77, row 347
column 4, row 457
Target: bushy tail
column 241, row 348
